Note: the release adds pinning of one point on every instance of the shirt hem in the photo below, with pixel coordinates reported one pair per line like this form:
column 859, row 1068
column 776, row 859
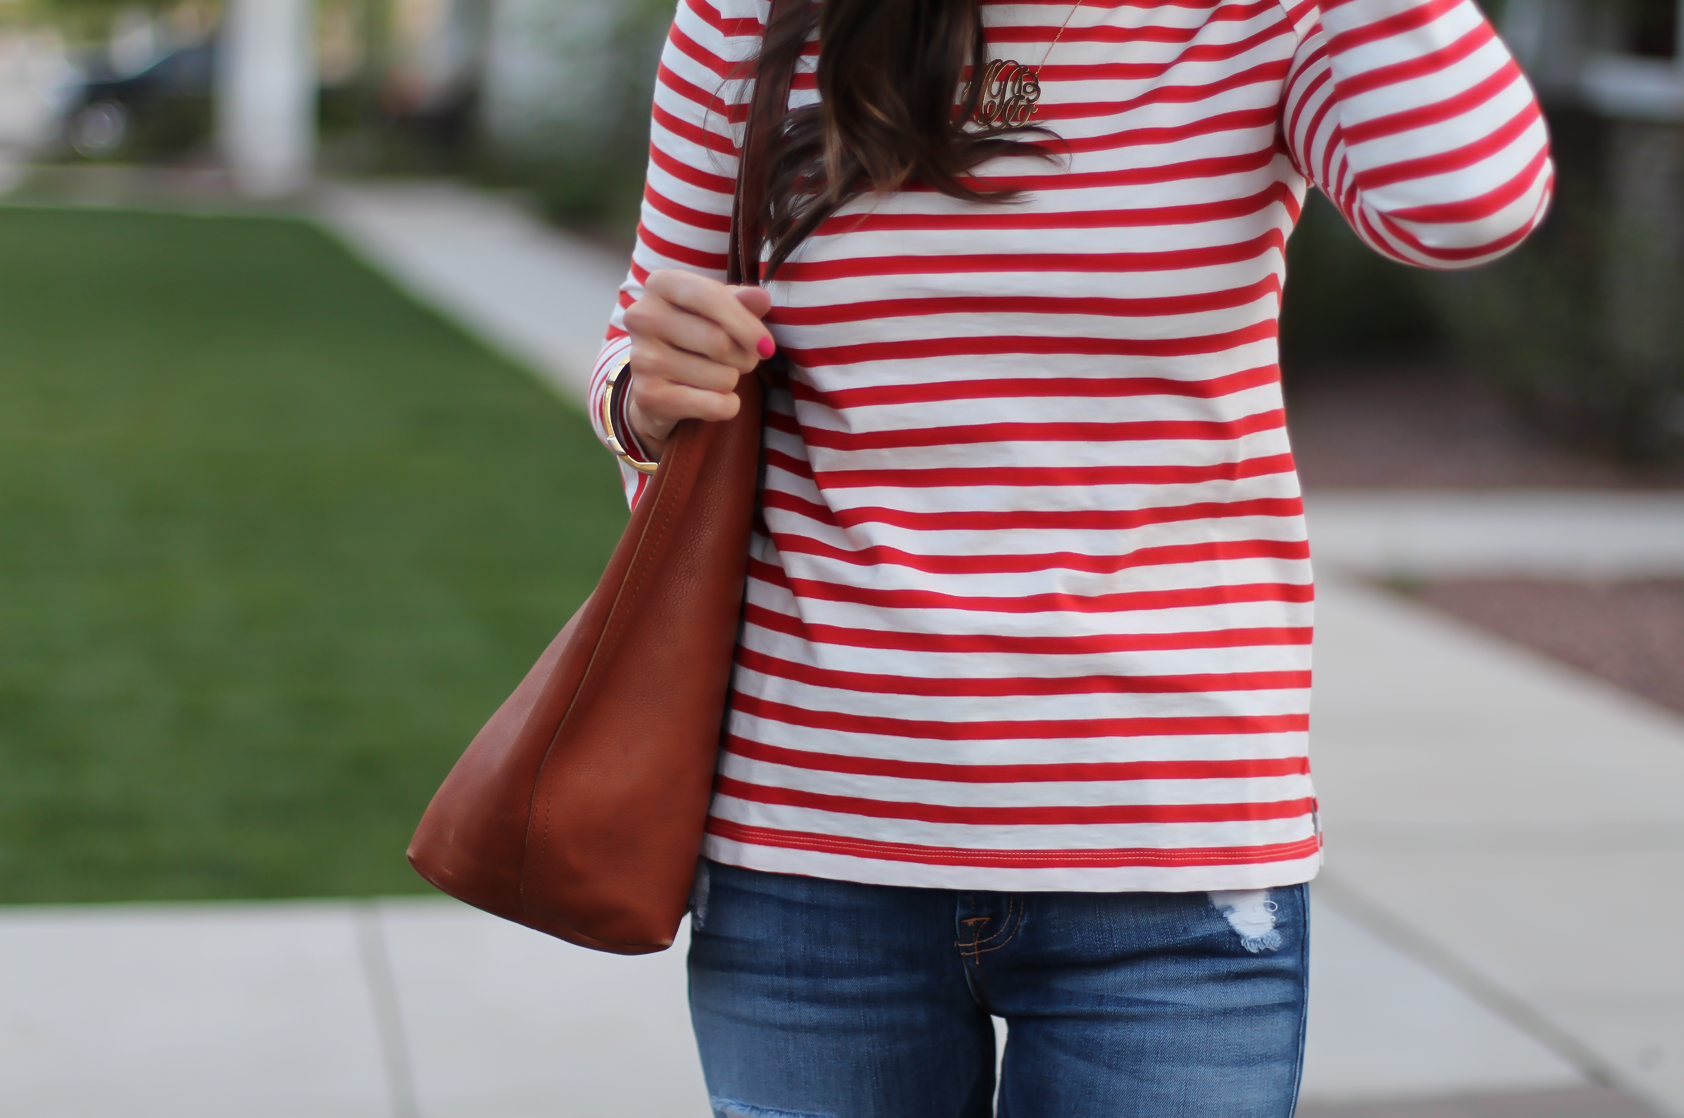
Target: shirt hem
column 1172, row 876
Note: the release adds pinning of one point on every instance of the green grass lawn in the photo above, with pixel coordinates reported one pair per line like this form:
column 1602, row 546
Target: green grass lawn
column 273, row 543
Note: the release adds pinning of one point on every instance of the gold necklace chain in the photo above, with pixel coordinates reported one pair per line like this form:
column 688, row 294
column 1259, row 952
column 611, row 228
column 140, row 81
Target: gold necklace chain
column 1011, row 90
column 1061, row 29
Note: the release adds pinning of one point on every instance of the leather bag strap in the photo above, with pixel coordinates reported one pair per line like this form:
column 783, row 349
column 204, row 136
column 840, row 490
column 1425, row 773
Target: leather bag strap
column 768, row 105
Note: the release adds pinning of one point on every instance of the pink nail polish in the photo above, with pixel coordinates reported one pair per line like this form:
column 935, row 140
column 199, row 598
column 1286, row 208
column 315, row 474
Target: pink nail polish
column 766, row 347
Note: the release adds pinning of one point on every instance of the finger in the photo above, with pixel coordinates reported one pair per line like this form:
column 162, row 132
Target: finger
column 712, row 300
column 756, row 300
column 652, row 359
column 705, row 338
column 668, row 402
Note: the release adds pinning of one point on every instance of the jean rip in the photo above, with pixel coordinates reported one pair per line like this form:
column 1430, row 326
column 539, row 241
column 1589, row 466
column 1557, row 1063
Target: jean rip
column 1251, row 914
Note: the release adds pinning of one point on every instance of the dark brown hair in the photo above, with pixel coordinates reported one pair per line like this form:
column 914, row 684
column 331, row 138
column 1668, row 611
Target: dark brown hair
column 888, row 74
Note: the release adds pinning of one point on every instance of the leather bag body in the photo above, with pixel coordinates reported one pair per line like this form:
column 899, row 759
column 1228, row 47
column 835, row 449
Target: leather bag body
column 578, row 810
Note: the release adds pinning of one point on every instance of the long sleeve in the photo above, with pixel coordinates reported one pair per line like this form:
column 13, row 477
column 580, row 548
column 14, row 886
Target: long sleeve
column 686, row 218
column 1412, row 116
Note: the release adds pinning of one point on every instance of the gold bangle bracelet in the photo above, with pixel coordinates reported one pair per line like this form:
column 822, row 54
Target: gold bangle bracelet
column 614, row 443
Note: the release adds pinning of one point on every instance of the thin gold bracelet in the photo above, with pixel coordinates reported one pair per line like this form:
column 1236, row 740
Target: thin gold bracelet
column 614, row 443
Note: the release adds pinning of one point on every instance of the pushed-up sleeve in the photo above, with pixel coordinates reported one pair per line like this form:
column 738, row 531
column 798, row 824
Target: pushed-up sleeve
column 1413, row 117
column 693, row 136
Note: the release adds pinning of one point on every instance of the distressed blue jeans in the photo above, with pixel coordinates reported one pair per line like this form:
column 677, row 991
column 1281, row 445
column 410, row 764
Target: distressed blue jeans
column 829, row 999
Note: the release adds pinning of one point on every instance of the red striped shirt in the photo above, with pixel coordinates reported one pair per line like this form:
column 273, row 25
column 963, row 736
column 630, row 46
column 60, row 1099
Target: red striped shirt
column 1029, row 605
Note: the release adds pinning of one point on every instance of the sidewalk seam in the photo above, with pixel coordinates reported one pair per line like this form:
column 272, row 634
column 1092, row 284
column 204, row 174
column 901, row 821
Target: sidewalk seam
column 1410, row 940
column 388, row 1021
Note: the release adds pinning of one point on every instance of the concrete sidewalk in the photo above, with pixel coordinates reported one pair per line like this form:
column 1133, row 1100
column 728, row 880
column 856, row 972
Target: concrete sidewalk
column 388, row 1009
column 1513, row 824
column 423, row 1007
column 525, row 288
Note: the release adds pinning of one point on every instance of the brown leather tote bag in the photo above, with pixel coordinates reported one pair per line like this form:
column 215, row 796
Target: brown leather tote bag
column 578, row 810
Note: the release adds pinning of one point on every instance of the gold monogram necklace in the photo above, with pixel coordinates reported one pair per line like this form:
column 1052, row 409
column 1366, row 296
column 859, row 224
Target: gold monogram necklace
column 1011, row 90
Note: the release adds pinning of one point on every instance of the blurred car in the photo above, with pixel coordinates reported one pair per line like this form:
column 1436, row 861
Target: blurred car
column 161, row 109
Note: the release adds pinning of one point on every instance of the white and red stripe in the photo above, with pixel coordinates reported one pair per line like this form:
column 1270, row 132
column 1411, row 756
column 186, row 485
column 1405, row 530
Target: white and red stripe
column 1031, row 604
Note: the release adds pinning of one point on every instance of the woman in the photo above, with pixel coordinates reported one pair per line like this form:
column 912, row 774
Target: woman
column 1018, row 721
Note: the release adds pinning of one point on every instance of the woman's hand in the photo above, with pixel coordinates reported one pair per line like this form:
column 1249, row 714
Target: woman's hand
column 692, row 337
